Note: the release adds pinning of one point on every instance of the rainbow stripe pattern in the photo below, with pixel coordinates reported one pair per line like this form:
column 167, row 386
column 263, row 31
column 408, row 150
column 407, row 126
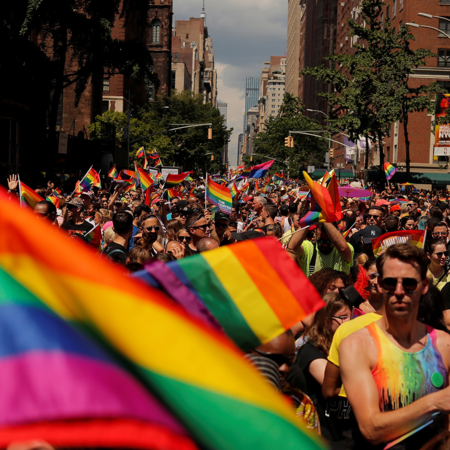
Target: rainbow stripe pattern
column 402, row 377
column 234, row 190
column 113, row 173
column 324, row 200
column 389, row 170
column 412, row 237
column 90, row 346
column 219, row 195
column 173, row 180
column 146, row 179
column 224, row 280
column 92, row 178
column 53, row 199
column 28, row 197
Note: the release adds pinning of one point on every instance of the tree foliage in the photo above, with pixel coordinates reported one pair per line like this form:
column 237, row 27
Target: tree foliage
column 186, row 147
column 307, row 150
column 371, row 87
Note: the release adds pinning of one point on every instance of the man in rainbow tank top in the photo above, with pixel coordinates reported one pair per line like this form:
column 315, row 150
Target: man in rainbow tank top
column 396, row 370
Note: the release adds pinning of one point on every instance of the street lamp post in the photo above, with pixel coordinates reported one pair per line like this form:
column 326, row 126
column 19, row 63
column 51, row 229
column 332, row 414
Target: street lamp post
column 321, row 112
column 416, row 25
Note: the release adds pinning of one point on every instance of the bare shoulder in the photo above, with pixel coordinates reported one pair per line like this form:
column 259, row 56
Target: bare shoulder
column 443, row 345
column 358, row 338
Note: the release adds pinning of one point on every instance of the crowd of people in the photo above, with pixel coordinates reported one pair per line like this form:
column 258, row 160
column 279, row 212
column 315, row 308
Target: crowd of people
column 373, row 364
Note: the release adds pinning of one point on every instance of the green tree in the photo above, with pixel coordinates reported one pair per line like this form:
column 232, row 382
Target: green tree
column 307, row 150
column 370, row 88
column 186, row 147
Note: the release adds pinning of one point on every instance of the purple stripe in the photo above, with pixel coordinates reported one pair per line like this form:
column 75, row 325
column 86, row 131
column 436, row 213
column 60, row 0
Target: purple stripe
column 174, row 287
column 41, row 386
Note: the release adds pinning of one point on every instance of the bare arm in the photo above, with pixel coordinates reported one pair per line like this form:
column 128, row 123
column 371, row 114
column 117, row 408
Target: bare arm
column 297, row 239
column 317, row 369
column 339, row 242
column 376, row 426
column 332, row 381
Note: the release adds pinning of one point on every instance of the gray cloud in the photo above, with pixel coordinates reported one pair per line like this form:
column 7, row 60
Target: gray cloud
column 245, row 33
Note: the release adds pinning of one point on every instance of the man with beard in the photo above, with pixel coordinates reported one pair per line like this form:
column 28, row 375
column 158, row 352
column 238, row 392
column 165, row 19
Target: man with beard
column 329, row 251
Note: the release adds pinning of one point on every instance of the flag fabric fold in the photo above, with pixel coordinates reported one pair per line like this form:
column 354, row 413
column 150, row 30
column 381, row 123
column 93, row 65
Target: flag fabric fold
column 260, row 170
column 219, row 195
column 113, row 173
column 28, row 197
column 389, row 170
column 173, row 180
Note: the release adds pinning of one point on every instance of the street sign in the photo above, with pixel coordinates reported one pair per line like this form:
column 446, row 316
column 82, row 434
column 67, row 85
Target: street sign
column 311, row 169
column 166, row 170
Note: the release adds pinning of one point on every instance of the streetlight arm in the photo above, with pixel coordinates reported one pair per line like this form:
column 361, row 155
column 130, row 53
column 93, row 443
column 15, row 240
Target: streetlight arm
column 430, row 16
column 416, row 25
column 322, row 137
column 317, row 110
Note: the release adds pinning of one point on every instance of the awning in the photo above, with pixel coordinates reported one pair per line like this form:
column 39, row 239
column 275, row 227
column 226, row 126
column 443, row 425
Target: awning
column 319, row 173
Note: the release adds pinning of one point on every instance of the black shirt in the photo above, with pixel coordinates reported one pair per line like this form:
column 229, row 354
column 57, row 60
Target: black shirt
column 116, row 252
column 334, row 416
column 73, row 228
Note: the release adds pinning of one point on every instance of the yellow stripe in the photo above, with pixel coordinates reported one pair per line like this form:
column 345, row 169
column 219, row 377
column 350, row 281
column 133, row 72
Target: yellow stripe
column 247, row 297
column 150, row 335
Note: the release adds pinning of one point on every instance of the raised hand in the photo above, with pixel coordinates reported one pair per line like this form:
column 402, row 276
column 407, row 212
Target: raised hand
column 12, row 182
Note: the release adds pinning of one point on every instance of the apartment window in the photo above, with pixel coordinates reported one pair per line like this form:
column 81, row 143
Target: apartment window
column 395, row 156
column 445, row 85
column 176, row 56
column 105, row 106
column 400, row 24
column 401, row 5
column 388, row 11
column 106, row 84
column 394, row 8
column 187, row 36
column 444, row 26
column 382, row 19
column 444, row 58
column 156, row 31
column 273, row 95
column 388, row 153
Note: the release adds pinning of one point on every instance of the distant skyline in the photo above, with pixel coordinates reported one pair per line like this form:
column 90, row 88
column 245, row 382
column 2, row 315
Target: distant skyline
column 244, row 34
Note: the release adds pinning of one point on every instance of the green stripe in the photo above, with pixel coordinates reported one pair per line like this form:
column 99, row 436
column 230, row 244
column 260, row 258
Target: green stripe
column 218, row 301
column 224, row 423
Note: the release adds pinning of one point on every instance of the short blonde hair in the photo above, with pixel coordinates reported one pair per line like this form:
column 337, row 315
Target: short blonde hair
column 109, row 235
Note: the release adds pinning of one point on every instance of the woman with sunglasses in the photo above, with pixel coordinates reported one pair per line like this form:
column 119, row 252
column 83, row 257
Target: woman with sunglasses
column 152, row 235
column 437, row 269
column 308, row 370
column 183, row 237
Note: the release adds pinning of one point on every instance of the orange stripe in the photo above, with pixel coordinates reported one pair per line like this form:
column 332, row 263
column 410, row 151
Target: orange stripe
column 269, row 283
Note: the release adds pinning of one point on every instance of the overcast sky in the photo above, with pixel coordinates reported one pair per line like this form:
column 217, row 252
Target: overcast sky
column 245, row 33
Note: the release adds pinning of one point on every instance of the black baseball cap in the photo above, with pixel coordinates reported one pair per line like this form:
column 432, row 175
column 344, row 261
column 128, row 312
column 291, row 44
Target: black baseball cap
column 369, row 233
column 183, row 206
column 219, row 215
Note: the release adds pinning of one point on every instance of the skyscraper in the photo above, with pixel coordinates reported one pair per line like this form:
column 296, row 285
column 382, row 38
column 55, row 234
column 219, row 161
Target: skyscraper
column 251, row 96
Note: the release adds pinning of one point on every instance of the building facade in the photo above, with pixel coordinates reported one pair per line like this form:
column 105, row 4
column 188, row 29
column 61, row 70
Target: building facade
column 251, row 96
column 294, row 31
column 427, row 169
column 223, row 108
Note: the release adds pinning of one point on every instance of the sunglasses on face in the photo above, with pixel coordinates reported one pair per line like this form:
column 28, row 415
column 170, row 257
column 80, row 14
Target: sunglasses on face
column 440, row 233
column 324, row 242
column 184, row 238
column 390, row 284
column 373, row 216
column 277, row 358
column 341, row 318
column 440, row 254
column 203, row 227
column 152, row 228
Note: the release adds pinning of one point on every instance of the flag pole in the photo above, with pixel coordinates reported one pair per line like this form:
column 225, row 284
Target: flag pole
column 206, row 188
column 20, row 190
column 292, row 234
column 82, row 179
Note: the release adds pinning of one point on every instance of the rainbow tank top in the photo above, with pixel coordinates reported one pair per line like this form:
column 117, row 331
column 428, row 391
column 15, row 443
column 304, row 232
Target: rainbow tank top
column 403, row 377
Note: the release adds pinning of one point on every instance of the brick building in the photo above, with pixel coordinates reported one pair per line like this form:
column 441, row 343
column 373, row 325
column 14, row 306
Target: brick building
column 427, row 170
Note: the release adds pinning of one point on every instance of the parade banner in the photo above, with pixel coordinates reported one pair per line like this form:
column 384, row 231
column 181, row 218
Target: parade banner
column 413, row 237
column 442, row 132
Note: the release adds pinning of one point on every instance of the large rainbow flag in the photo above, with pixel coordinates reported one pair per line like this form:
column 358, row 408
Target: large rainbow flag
column 412, row 237
column 252, row 288
column 113, row 350
column 28, row 197
column 219, row 195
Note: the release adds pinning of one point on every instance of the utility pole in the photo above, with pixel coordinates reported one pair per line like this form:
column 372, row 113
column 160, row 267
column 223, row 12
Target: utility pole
column 128, row 127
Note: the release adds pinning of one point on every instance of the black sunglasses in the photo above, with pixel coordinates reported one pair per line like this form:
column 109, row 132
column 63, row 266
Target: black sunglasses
column 439, row 254
column 370, row 216
column 390, row 284
column 203, row 227
column 324, row 241
column 277, row 358
column 440, row 233
column 152, row 228
column 184, row 238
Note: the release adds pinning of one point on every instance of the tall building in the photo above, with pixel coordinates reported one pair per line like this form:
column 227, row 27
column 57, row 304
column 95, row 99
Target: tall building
column 119, row 89
column 223, row 111
column 251, row 96
column 193, row 58
column 240, row 149
column 428, row 167
column 295, row 9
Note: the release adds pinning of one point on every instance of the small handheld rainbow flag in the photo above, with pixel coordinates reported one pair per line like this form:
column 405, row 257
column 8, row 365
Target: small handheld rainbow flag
column 413, row 237
column 130, row 187
column 140, row 153
column 278, row 176
column 219, row 195
column 173, row 180
column 92, row 178
column 53, row 199
column 28, row 196
column 158, row 162
column 146, row 179
column 58, row 191
column 234, row 190
column 94, row 236
column 113, row 173
column 128, row 174
column 145, row 165
column 389, row 170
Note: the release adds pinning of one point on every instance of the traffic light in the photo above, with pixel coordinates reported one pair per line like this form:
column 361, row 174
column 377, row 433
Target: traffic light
column 287, row 141
column 209, row 133
column 251, row 158
column 331, row 153
column 291, row 141
column 212, row 157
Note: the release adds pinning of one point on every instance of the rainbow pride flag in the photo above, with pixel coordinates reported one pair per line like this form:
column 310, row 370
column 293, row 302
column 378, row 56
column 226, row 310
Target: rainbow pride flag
column 58, row 192
column 140, row 153
column 146, row 179
column 53, row 199
column 219, row 195
column 113, row 173
column 278, row 176
column 324, row 201
column 145, row 165
column 28, row 196
column 92, row 178
column 246, row 172
column 128, row 174
column 119, row 357
column 130, row 187
column 234, row 190
column 158, row 162
column 389, row 170
column 412, row 237
column 94, row 236
column 173, row 180
column 226, row 278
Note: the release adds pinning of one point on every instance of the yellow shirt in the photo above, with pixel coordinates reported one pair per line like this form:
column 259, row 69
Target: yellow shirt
column 346, row 329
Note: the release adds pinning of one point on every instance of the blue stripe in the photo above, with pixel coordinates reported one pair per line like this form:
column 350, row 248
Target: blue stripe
column 26, row 328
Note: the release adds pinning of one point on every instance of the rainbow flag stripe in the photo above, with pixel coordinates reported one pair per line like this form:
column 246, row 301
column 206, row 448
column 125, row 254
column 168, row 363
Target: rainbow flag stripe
column 216, row 395
column 323, row 199
column 53, row 199
column 174, row 180
column 147, row 179
column 389, row 170
column 145, row 165
column 224, row 280
column 113, row 173
column 219, row 195
column 158, row 162
column 412, row 237
column 28, row 196
column 234, row 190
column 92, row 178
column 130, row 187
